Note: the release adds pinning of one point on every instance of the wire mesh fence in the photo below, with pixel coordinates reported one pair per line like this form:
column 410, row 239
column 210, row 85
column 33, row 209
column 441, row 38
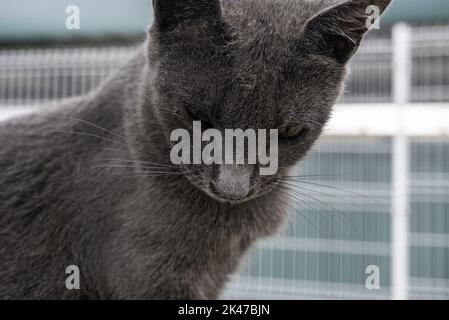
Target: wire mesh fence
column 38, row 76
column 341, row 220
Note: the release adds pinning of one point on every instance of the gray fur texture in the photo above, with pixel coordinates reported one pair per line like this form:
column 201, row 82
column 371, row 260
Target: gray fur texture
column 90, row 183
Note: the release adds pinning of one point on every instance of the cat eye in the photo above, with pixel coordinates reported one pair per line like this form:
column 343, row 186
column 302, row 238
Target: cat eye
column 292, row 132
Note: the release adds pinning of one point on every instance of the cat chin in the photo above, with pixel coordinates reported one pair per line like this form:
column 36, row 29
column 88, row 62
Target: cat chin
column 250, row 197
column 230, row 201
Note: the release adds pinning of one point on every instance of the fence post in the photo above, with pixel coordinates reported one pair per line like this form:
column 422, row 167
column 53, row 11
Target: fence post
column 402, row 63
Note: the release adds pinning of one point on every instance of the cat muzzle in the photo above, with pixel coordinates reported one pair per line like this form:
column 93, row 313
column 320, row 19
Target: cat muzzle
column 232, row 182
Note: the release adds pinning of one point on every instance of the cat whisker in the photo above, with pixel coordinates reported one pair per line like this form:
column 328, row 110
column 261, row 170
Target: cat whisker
column 107, row 149
column 287, row 198
column 321, row 193
column 313, row 176
column 91, row 124
column 150, row 169
column 90, row 135
column 280, row 206
column 140, row 162
column 334, row 188
column 146, row 175
column 349, row 219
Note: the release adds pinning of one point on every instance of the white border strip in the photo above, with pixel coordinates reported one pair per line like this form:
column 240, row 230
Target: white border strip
column 383, row 119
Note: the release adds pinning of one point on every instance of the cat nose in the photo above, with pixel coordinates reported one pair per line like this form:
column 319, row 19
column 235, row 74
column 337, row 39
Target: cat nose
column 232, row 181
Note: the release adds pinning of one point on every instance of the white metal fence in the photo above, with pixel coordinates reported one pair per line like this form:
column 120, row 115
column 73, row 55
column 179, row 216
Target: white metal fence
column 375, row 189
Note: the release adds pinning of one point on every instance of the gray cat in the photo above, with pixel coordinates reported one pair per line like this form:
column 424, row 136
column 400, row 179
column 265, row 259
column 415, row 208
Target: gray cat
column 91, row 183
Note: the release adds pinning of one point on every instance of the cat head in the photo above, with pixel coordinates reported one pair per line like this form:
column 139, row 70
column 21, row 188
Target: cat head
column 251, row 64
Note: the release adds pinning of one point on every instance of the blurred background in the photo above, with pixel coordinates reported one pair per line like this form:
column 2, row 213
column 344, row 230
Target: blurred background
column 374, row 201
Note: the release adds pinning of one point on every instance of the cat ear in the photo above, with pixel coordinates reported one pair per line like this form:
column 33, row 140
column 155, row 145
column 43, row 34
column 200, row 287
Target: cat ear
column 338, row 31
column 170, row 13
